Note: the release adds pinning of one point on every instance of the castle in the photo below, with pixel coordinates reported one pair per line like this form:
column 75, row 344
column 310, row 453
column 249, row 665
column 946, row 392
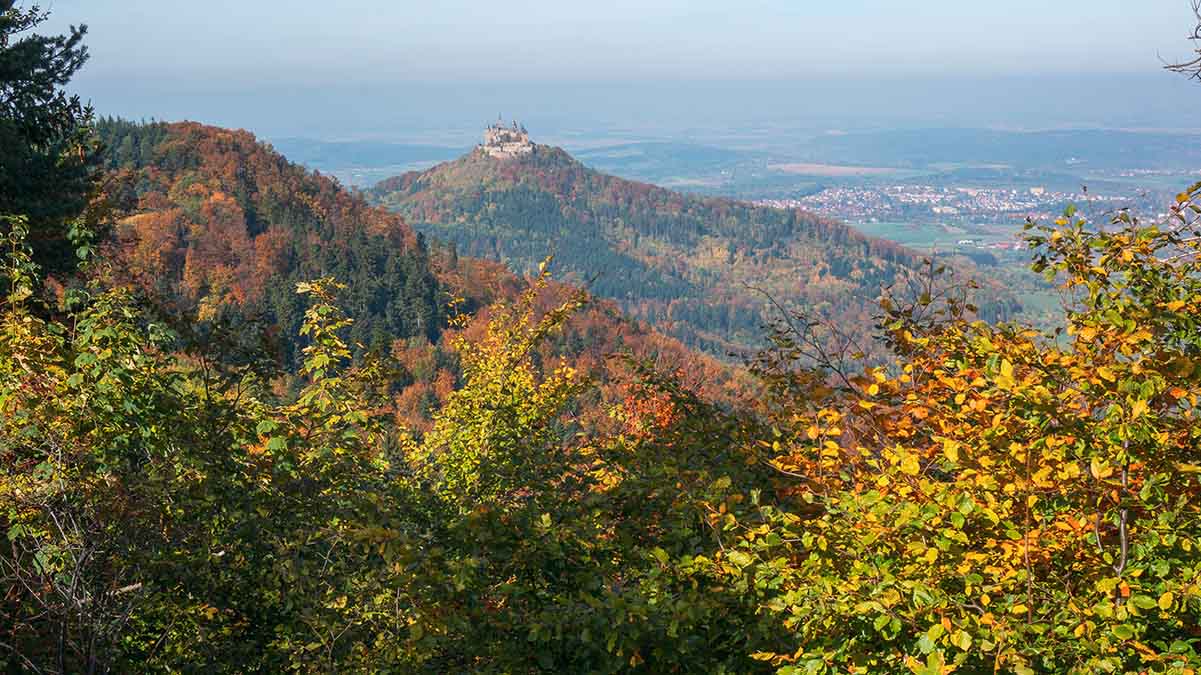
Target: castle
column 501, row 141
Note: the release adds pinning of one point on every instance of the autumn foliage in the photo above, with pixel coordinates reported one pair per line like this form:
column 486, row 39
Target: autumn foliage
column 266, row 427
column 693, row 267
column 1000, row 500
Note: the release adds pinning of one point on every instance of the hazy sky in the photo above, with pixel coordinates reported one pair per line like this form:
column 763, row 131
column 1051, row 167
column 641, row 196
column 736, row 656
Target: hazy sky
column 340, row 68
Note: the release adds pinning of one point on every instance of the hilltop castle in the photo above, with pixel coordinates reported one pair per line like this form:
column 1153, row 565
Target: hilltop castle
column 506, row 141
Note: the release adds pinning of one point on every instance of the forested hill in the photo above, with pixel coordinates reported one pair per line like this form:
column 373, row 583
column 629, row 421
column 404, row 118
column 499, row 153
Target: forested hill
column 220, row 225
column 220, row 220
column 683, row 262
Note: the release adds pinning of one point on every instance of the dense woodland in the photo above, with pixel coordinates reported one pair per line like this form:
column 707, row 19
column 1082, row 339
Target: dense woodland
column 696, row 267
column 219, row 219
column 216, row 229
column 249, row 423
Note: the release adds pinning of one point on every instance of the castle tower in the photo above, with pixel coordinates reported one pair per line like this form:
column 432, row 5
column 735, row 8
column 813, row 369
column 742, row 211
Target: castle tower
column 501, row 141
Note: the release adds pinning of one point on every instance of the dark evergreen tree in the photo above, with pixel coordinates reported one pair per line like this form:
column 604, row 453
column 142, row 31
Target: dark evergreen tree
column 47, row 162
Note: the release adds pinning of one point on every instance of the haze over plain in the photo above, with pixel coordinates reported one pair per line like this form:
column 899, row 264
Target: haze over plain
column 399, row 71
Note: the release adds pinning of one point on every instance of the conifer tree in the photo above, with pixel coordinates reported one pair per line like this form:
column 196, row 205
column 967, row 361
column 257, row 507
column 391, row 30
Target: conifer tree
column 47, row 167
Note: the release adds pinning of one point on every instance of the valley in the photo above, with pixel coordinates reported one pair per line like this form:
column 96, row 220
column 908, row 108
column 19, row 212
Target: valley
column 933, row 189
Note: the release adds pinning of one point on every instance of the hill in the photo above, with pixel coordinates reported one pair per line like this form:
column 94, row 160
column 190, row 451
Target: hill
column 218, row 219
column 220, row 226
column 694, row 266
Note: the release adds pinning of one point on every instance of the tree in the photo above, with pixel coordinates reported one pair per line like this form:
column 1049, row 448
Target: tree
column 47, row 169
column 1191, row 67
column 554, row 539
column 158, row 514
column 999, row 499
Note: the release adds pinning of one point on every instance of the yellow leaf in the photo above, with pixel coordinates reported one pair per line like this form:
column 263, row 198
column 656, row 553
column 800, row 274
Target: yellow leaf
column 951, row 450
column 1100, row 470
column 1165, row 601
column 1005, row 378
column 812, row 432
column 1138, row 408
column 873, row 390
column 1018, row 609
column 910, row 465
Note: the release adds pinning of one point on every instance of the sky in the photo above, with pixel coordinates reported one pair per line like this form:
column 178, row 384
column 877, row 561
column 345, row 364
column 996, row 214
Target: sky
column 387, row 68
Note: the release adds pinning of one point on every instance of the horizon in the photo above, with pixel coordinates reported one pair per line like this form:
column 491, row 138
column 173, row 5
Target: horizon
column 658, row 72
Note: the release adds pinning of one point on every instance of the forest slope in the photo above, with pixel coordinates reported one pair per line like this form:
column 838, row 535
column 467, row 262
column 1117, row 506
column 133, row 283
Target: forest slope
column 219, row 225
column 690, row 265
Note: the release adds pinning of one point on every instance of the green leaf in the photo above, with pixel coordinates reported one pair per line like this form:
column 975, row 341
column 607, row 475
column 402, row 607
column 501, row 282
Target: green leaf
column 1143, row 602
column 739, row 558
column 925, row 644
